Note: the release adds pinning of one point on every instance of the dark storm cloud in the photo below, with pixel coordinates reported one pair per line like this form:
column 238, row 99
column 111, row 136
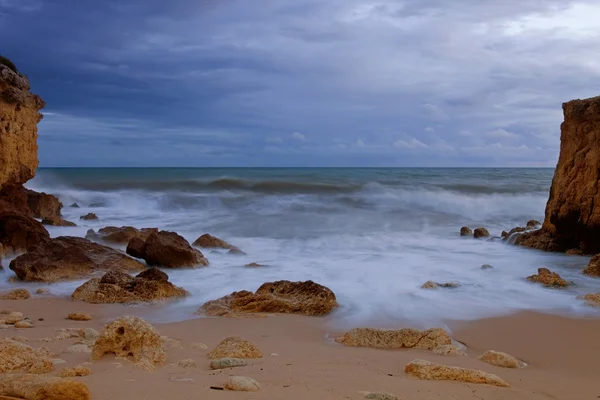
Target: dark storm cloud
column 234, row 82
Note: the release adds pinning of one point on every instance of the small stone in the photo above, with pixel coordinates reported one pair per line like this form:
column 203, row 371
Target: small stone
column 242, row 384
column 228, row 362
column 380, row 396
column 480, row 233
column 235, row 347
column 199, row 346
column 486, row 266
column 89, row 333
column 75, row 371
column 79, row 348
column 500, row 359
column 448, row 350
column 254, row 265
column 466, row 231
column 23, row 325
column 435, row 285
column 57, row 361
column 187, row 363
column 17, row 294
column 79, row 316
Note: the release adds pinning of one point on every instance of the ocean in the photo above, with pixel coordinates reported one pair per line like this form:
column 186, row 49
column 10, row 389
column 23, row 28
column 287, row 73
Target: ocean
column 372, row 235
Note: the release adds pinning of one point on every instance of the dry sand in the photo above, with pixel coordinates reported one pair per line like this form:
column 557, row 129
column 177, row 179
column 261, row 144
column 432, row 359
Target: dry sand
column 302, row 362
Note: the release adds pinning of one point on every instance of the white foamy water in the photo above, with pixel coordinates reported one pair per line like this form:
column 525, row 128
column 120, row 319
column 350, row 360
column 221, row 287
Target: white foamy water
column 374, row 240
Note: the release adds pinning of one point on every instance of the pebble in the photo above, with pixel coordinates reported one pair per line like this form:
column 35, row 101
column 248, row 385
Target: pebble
column 89, row 333
column 57, row 361
column 23, row 325
column 242, row 384
column 79, row 316
column 199, row 346
column 222, row 363
column 79, row 348
column 379, row 396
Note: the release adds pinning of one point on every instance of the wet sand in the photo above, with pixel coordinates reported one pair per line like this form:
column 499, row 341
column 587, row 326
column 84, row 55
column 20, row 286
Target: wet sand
column 301, row 361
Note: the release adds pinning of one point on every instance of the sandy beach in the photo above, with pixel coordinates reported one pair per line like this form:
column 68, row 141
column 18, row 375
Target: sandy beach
column 301, row 360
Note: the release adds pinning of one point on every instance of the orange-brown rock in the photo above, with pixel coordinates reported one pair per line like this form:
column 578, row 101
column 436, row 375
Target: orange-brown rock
column 19, row 233
column 168, row 249
column 480, row 233
column 593, row 267
column 235, row 347
column 118, row 287
column 136, row 248
column 79, row 316
column 89, row 217
column 43, row 205
column 548, row 278
column 207, row 241
column 18, row 357
column 66, row 257
column 466, row 231
column 429, row 371
column 131, row 337
column 592, row 299
column 43, row 387
column 572, row 219
column 78, row 370
column 119, row 235
column 57, row 221
column 500, row 359
column 16, row 294
column 395, row 339
column 307, row 298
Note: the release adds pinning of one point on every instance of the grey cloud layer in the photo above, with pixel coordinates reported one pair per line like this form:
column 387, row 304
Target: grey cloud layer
column 305, row 82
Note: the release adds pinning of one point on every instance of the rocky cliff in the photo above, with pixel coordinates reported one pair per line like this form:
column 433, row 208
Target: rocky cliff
column 572, row 221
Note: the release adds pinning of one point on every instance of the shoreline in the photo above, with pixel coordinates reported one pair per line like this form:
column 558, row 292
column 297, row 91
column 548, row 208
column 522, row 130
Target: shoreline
column 302, row 361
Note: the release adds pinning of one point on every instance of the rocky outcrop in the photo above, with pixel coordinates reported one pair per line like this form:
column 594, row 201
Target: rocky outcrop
column 548, row 278
column 395, row 339
column 118, row 287
column 119, row 235
column 19, row 233
column 29, row 203
column 435, row 372
column 307, row 298
column 131, row 337
column 593, row 267
column 43, row 387
column 207, row 241
column 65, row 258
column 235, row 347
column 500, row 359
column 572, row 219
column 18, row 357
column 169, row 250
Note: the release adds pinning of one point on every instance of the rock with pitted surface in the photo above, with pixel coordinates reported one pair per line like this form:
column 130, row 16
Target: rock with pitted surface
column 43, row 387
column 448, row 350
column 228, row 362
column 89, row 217
column 207, row 241
column 18, row 357
column 593, row 267
column 500, row 359
column 572, row 219
column 79, row 316
column 16, row 294
column 307, row 298
column 242, row 384
column 131, row 337
column 395, row 339
column 466, row 231
column 548, row 278
column 235, row 347
column 118, row 287
column 65, row 258
column 20, row 233
column 435, row 372
column 480, row 233
column 170, row 250
column 119, row 235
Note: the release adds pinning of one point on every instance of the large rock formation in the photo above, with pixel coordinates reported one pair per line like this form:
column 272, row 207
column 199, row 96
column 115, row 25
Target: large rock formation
column 572, row 220
column 19, row 233
column 65, row 257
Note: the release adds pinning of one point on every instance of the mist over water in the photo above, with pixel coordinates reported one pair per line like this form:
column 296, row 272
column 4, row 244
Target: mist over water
column 374, row 236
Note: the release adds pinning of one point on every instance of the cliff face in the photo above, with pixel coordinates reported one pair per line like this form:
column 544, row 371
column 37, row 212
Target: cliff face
column 19, row 115
column 572, row 219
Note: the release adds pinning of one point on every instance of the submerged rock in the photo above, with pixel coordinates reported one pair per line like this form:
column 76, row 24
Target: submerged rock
column 548, row 278
column 395, row 339
column 429, row 371
column 207, row 241
column 170, row 250
column 593, row 267
column 119, row 235
column 65, row 257
column 592, row 299
column 235, row 347
column 486, row 266
column 89, row 217
column 18, row 357
column 435, row 285
column 118, row 287
column 480, row 233
column 500, row 359
column 466, row 231
column 307, row 298
column 43, row 387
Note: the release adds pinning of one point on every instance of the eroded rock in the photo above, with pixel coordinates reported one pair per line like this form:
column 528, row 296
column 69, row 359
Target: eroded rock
column 235, row 347
column 43, row 387
column 16, row 294
column 395, row 339
column 78, row 370
column 548, row 278
column 119, row 235
column 242, row 384
column 593, row 267
column 500, row 359
column 20, row 233
column 18, row 357
column 429, row 371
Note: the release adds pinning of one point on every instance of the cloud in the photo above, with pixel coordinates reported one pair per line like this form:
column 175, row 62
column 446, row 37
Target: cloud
column 429, row 130
column 299, row 136
column 502, row 134
column 360, row 143
column 410, row 144
column 274, row 140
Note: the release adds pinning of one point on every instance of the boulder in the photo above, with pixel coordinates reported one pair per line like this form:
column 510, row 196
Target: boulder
column 242, row 384
column 18, row 357
column 500, row 359
column 136, row 248
column 16, row 294
column 131, row 337
column 43, row 205
column 23, row 325
column 207, row 241
column 435, row 285
column 307, row 298
column 118, row 287
column 228, row 362
column 43, row 387
column 548, row 278
column 429, row 371
column 466, row 231
column 235, row 347
column 395, row 339
column 57, row 221
column 79, row 316
column 170, row 250
column 572, row 216
column 65, row 257
column 119, row 235
column 593, row 267
column 480, row 233
column 20, row 233
column 89, row 217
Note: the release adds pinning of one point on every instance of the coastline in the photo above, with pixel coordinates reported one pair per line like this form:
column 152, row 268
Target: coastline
column 302, row 361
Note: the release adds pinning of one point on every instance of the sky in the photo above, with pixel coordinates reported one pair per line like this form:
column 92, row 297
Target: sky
column 247, row 83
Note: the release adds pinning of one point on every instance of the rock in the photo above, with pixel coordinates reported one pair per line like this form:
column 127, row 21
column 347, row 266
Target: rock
column 88, row 333
column 74, row 205
column 500, row 359
column 486, row 266
column 254, row 265
column 120, row 235
column 380, row 396
column 435, row 285
column 532, row 223
column 43, row 205
column 228, row 362
column 79, row 316
column 97, row 204
column 43, row 387
column 466, row 231
column 242, row 384
column 307, row 298
column 170, row 250
column 131, row 337
column 118, row 287
column 592, row 299
column 395, row 339
column 480, row 233
column 235, row 347
column 57, row 221
column 16, row 294
column 572, row 217
column 207, row 241
column 79, row 348
column 89, row 217
column 593, row 267
column 187, row 363
column 23, row 325
column 14, row 317
column 65, row 258
column 42, row 291
column 18, row 357
column 78, row 370
column 429, row 371
column 20, row 233
column 548, row 278
column 448, row 350
column 136, row 248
